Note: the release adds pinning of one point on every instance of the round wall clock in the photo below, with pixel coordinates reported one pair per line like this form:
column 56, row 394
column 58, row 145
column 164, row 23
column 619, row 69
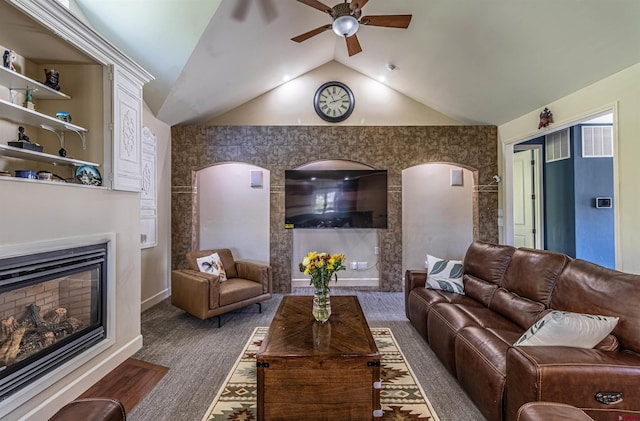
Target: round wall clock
column 334, row 102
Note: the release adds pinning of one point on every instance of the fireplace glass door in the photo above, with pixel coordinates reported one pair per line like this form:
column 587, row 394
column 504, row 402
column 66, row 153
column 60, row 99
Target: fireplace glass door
column 52, row 308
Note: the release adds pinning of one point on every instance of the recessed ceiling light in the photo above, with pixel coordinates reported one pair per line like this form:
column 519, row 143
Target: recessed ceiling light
column 382, row 79
column 286, row 78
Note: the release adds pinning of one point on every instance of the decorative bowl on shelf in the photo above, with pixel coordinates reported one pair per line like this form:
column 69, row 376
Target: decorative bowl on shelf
column 26, row 174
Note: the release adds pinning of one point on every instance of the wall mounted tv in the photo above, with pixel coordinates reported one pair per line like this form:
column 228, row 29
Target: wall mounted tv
column 335, row 199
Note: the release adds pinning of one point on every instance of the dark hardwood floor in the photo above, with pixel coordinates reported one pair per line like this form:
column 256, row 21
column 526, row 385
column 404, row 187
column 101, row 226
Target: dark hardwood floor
column 129, row 382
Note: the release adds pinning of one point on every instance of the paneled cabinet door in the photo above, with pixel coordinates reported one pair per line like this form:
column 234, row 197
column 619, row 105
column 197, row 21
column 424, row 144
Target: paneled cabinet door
column 127, row 132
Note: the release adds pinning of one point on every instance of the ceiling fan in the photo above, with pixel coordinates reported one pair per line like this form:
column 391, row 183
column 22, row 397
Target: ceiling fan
column 347, row 19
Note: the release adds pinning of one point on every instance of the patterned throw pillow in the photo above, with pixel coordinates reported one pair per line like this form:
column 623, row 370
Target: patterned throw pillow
column 444, row 274
column 212, row 264
column 562, row 328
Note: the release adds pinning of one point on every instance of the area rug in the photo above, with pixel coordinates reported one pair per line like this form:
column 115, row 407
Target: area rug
column 401, row 396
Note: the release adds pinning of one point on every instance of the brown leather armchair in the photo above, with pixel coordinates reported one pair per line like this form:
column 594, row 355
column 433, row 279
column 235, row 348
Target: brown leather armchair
column 204, row 296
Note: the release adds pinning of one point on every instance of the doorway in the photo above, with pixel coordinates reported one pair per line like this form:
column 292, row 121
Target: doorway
column 559, row 182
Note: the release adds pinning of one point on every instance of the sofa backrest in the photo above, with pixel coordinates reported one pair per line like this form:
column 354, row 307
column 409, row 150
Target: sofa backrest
column 528, row 282
column 484, row 268
column 584, row 287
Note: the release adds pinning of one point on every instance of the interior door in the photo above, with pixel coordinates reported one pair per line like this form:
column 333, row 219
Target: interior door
column 523, row 199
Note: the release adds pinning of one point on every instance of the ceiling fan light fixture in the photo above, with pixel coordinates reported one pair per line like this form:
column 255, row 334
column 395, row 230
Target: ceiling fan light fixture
column 345, row 26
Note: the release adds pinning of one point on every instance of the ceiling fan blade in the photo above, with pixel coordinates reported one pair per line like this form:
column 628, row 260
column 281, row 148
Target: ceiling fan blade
column 311, row 33
column 353, row 45
column 240, row 11
column 318, row 5
column 389, row 21
column 357, row 4
column 269, row 10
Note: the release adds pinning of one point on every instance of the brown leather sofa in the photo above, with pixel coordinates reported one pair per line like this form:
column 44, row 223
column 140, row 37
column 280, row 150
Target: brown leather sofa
column 506, row 291
column 204, row 296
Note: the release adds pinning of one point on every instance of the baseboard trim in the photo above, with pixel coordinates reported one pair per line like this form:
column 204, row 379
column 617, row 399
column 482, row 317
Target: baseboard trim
column 154, row 299
column 77, row 386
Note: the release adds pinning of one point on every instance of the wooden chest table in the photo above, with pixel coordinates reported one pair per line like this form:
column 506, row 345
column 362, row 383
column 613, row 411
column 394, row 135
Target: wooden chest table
column 318, row 371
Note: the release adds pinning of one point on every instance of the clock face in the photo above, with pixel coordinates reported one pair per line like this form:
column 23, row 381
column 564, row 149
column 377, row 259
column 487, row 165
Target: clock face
column 334, row 102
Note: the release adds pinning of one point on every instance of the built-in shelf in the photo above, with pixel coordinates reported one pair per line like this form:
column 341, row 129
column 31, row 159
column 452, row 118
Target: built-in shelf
column 10, row 151
column 17, row 81
column 22, row 115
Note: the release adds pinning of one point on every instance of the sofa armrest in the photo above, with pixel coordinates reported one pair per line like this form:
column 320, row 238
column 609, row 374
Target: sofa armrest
column 257, row 273
column 574, row 376
column 413, row 279
column 195, row 292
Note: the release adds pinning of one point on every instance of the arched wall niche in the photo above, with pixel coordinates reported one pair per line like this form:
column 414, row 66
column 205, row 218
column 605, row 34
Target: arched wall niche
column 278, row 148
column 229, row 205
column 438, row 212
column 358, row 245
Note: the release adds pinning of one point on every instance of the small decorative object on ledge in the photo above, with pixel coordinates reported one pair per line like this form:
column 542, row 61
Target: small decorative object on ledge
column 24, row 143
column 8, row 60
column 321, row 267
column 546, row 118
column 52, row 78
column 64, row 116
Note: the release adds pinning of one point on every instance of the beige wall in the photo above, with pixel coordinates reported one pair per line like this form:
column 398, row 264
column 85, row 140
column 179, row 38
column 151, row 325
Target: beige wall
column 156, row 261
column 621, row 92
column 292, row 104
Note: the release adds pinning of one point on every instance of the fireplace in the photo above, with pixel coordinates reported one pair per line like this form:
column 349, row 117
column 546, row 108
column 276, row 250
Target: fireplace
column 53, row 307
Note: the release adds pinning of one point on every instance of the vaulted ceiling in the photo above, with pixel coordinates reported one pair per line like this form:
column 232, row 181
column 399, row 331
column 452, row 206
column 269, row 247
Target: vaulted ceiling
column 477, row 61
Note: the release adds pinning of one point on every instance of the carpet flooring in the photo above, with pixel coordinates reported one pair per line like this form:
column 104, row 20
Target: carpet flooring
column 199, row 356
column 400, row 396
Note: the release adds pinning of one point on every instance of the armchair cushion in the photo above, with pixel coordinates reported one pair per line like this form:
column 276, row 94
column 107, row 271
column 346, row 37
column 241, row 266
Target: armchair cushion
column 213, row 265
column 237, row 289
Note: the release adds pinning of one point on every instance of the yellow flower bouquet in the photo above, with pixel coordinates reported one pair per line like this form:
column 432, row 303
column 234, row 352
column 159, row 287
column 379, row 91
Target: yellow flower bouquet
column 321, row 268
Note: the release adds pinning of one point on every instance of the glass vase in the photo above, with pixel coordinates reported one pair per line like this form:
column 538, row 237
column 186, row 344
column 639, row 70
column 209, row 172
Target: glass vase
column 321, row 304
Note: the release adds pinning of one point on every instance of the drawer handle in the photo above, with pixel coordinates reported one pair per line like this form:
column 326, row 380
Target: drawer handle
column 377, row 385
column 609, row 398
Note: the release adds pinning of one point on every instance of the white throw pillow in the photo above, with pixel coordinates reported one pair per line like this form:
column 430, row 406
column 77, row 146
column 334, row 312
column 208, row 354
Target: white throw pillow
column 212, row 264
column 444, row 274
column 562, row 328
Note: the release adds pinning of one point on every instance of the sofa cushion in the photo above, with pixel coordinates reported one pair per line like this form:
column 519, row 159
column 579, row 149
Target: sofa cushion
column 444, row 275
column 213, row 265
column 487, row 261
column 562, row 328
column 479, row 289
column 533, row 273
column 237, row 289
column 522, row 311
column 584, row 287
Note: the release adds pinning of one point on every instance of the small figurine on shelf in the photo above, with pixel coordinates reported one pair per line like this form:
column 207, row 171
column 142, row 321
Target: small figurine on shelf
column 23, row 142
column 21, row 136
column 29, row 100
column 52, row 78
column 8, row 58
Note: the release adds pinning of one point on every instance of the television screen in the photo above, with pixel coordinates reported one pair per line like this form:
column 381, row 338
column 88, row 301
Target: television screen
column 335, row 199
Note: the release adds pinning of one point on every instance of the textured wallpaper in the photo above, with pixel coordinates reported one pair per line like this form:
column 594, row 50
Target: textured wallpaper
column 278, row 148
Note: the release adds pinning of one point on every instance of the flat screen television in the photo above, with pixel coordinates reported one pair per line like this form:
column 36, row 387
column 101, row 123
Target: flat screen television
column 335, row 199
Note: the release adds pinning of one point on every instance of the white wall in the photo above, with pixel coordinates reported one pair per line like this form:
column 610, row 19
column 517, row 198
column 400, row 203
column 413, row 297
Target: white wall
column 232, row 213
column 621, row 92
column 437, row 218
column 292, row 103
column 156, row 261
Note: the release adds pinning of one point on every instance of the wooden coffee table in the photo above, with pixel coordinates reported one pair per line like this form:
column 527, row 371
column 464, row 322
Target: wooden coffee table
column 318, row 371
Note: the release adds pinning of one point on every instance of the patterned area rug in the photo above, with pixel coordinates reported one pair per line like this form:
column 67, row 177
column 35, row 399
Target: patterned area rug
column 401, row 397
